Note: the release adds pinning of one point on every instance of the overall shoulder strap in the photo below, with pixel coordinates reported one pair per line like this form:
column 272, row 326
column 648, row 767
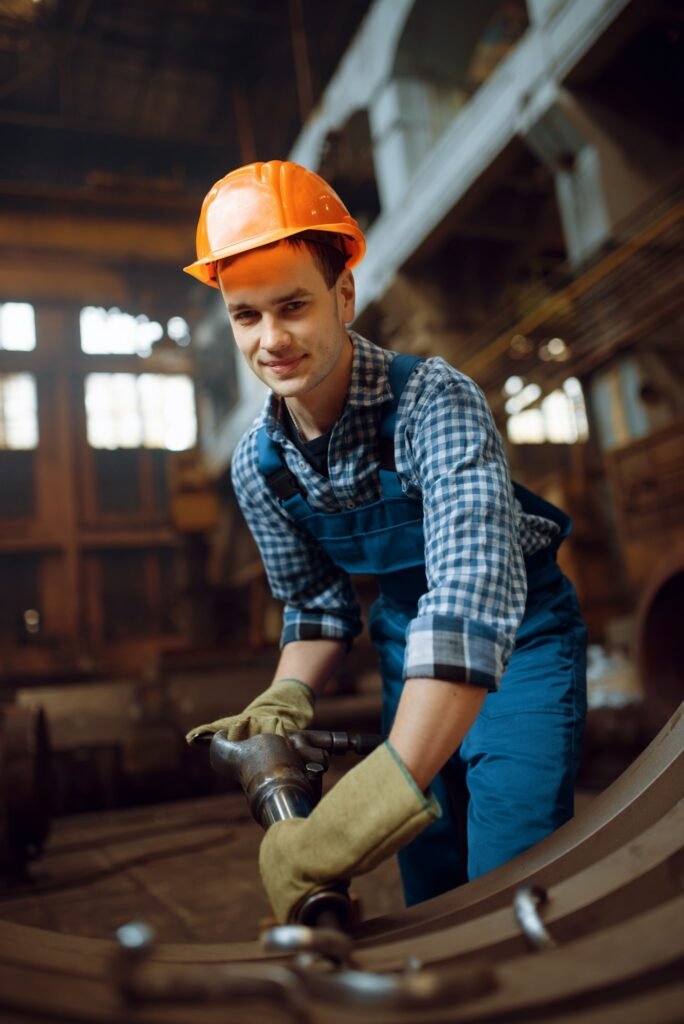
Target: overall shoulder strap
column 399, row 372
column 279, row 479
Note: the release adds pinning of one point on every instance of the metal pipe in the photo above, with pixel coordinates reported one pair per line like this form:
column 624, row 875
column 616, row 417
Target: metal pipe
column 278, row 786
column 271, row 774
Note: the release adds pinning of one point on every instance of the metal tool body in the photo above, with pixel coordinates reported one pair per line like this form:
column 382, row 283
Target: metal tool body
column 271, row 773
column 281, row 778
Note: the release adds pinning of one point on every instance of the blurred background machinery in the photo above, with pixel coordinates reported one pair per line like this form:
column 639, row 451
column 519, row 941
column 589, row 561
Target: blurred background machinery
column 518, row 169
column 517, row 166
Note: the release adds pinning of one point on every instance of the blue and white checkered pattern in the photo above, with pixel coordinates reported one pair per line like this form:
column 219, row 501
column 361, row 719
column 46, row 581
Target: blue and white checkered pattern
column 447, row 452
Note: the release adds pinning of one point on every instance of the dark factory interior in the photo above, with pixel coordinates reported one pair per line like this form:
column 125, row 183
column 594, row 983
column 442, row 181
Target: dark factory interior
column 516, row 169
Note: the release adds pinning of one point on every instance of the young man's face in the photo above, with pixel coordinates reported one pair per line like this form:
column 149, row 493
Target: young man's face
column 288, row 324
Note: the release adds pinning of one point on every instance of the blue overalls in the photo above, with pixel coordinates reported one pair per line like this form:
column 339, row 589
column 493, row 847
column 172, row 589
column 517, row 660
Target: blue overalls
column 511, row 782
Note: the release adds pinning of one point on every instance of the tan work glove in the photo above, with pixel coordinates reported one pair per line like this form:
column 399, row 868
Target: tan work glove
column 287, row 706
column 374, row 809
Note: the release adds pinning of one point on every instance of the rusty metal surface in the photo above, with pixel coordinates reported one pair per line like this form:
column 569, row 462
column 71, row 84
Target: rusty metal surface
column 24, row 785
column 637, row 799
column 605, row 965
column 659, row 634
column 613, row 879
column 642, row 873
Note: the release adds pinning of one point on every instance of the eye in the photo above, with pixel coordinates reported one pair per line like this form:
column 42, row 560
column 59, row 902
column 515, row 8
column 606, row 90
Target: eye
column 245, row 317
column 294, row 306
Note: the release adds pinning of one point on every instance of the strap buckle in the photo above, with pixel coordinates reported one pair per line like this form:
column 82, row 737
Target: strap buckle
column 283, row 483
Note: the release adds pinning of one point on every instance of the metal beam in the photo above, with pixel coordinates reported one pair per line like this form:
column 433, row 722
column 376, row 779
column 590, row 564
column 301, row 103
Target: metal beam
column 561, row 300
column 116, row 239
column 69, row 122
column 142, row 197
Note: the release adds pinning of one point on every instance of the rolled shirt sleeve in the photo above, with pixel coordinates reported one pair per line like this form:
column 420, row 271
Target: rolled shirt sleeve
column 466, row 622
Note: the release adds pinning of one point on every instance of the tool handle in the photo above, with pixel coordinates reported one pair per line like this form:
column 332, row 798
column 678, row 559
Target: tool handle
column 336, row 742
column 363, row 743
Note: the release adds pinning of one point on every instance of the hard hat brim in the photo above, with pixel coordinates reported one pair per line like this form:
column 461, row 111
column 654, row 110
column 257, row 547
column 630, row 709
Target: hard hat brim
column 262, row 203
column 204, row 271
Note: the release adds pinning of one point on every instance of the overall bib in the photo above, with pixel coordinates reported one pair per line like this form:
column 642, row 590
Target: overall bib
column 511, row 782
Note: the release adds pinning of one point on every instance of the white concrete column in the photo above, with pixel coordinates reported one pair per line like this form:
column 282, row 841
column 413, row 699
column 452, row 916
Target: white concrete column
column 577, row 172
column 401, row 121
column 601, row 173
column 541, row 11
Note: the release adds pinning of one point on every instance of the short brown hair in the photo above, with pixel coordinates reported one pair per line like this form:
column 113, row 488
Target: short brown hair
column 327, row 251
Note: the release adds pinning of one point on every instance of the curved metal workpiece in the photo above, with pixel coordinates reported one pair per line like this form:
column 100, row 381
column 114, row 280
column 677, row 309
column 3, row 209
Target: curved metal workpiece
column 140, row 980
column 637, row 799
column 330, row 943
column 526, row 903
column 414, row 988
column 613, row 873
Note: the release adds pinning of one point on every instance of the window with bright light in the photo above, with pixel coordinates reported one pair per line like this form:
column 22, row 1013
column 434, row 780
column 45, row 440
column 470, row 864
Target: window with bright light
column 526, row 427
column 107, row 332
column 178, row 330
column 558, row 418
column 18, row 411
column 148, row 410
column 17, row 327
column 112, row 332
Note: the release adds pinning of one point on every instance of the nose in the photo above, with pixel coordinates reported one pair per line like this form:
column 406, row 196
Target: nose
column 274, row 337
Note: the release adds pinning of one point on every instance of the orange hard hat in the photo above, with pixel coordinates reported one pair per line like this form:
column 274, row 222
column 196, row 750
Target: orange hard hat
column 262, row 203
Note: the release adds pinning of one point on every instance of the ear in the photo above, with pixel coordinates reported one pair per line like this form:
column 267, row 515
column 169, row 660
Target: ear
column 346, row 296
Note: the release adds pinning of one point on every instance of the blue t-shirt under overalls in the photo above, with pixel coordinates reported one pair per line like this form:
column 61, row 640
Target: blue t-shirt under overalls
column 511, row 781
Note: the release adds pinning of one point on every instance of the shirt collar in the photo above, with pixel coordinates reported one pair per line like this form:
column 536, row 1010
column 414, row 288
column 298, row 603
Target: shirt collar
column 368, row 384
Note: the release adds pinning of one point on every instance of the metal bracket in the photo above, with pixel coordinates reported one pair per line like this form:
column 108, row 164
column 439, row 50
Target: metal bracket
column 526, row 903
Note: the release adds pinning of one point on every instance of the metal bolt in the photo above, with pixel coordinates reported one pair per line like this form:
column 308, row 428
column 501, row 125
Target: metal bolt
column 135, row 937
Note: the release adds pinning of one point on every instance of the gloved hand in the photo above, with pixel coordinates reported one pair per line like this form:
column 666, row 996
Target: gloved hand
column 374, row 809
column 287, row 706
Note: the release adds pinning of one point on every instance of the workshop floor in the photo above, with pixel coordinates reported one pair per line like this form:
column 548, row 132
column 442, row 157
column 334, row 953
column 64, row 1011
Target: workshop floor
column 189, row 869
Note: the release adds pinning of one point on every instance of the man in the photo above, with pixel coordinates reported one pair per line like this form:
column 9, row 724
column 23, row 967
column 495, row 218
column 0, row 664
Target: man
column 365, row 461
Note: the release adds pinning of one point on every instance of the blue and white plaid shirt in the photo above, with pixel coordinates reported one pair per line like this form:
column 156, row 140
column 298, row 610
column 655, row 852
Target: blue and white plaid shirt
column 447, row 452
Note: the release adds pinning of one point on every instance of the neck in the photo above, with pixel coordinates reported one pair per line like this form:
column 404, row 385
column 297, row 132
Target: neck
column 315, row 412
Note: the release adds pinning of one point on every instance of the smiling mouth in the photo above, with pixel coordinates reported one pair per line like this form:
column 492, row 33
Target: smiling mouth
column 282, row 365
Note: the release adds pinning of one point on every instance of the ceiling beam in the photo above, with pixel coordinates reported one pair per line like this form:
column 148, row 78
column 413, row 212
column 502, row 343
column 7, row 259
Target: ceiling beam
column 56, row 46
column 155, row 196
column 66, row 122
column 495, row 232
column 479, row 363
column 115, row 238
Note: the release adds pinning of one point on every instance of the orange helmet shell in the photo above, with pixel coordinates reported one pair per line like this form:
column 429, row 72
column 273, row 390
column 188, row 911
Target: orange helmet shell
column 265, row 202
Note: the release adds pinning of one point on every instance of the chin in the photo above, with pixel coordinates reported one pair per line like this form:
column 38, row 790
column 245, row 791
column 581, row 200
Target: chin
column 287, row 388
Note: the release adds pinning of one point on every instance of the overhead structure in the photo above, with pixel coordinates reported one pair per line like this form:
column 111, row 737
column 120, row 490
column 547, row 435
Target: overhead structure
column 114, row 119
